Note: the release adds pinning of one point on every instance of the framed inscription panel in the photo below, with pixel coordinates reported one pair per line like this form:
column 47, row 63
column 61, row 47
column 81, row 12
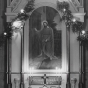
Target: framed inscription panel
column 45, row 39
column 50, row 80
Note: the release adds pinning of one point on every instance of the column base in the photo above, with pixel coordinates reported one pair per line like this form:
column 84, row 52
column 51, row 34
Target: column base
column 9, row 85
column 29, row 87
column 68, row 85
column 58, row 87
column 21, row 85
column 81, row 85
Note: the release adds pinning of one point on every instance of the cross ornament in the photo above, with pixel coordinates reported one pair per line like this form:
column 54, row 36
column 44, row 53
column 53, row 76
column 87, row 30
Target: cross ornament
column 44, row 78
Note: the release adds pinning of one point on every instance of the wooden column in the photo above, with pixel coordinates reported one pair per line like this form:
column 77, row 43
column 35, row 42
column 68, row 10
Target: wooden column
column 84, row 59
column 22, row 59
column 82, row 65
column 8, row 42
column 68, row 84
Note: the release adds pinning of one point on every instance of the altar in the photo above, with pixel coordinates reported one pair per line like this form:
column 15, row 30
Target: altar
column 44, row 53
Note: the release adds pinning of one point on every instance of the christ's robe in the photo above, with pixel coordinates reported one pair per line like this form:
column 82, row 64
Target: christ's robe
column 47, row 41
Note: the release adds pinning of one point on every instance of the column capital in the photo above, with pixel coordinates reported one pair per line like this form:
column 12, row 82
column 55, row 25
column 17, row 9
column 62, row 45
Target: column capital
column 79, row 16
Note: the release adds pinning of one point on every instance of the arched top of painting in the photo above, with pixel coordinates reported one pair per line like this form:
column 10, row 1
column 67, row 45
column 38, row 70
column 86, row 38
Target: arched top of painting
column 48, row 4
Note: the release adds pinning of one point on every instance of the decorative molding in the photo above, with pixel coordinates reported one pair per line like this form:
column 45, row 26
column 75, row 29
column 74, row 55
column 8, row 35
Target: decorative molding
column 17, row 82
column 76, row 3
column 10, row 16
column 79, row 16
column 14, row 4
column 71, row 3
column 73, row 82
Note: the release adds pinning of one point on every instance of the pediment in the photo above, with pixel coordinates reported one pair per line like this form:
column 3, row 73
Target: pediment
column 17, row 5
